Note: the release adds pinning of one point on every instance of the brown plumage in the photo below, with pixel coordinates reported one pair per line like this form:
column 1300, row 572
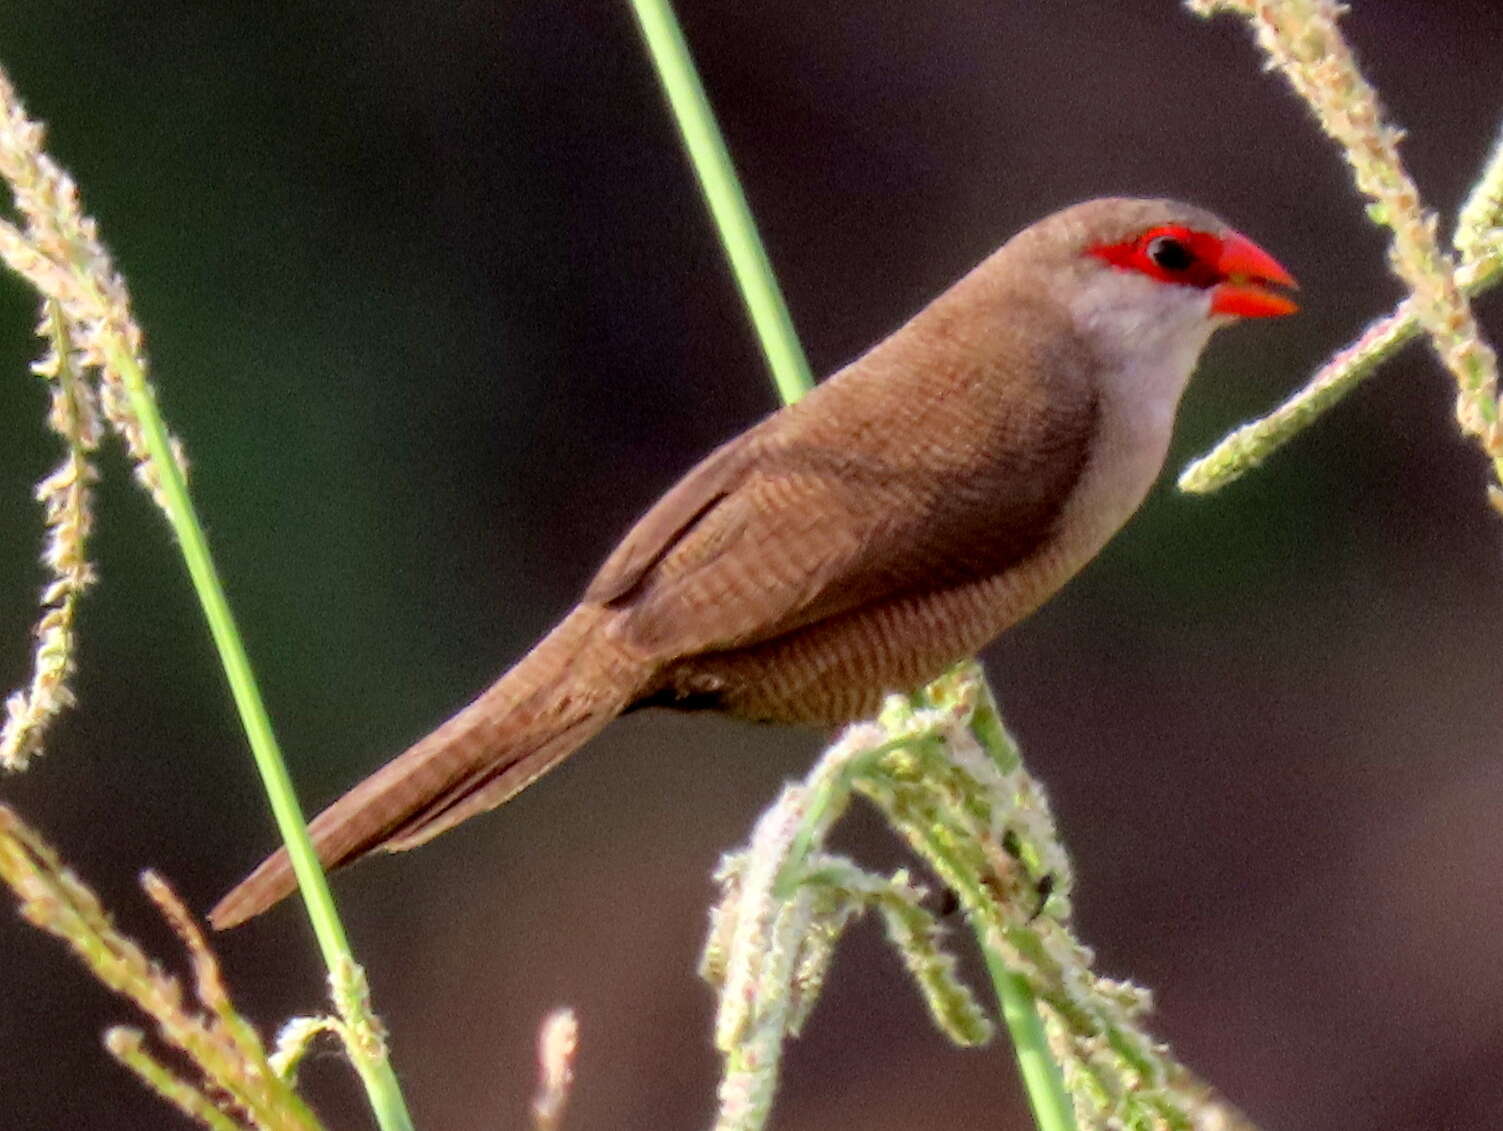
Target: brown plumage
column 899, row 517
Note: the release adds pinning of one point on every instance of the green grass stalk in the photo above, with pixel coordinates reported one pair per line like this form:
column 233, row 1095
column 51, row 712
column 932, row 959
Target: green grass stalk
column 1045, row 1087
column 375, row 1071
column 56, row 249
column 725, row 197
column 790, row 370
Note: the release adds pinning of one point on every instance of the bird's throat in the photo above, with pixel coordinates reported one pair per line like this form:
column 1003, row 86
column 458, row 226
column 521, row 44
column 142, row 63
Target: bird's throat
column 1134, row 424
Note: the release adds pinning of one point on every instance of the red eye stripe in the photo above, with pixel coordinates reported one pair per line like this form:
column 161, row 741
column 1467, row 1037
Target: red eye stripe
column 1171, row 253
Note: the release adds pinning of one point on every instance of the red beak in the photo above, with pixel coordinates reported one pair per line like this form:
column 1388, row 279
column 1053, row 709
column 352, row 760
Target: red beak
column 1249, row 271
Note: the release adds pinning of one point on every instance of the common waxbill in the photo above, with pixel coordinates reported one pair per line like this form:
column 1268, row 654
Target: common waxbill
column 859, row 542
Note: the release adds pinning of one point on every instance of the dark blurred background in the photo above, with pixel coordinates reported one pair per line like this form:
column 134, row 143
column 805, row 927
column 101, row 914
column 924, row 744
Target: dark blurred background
column 433, row 301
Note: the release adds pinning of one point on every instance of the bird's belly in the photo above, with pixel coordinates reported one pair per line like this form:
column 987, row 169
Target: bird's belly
column 838, row 670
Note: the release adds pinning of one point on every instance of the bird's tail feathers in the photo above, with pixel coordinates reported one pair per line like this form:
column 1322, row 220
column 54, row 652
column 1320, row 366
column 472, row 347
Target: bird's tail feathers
column 553, row 701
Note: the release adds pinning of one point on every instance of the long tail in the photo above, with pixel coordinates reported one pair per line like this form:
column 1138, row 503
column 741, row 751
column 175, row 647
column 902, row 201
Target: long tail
column 554, row 700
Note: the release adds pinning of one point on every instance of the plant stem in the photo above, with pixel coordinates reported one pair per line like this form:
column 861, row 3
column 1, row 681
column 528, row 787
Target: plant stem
column 1052, row 1110
column 375, row 1072
column 724, row 194
column 769, row 313
column 1042, row 1081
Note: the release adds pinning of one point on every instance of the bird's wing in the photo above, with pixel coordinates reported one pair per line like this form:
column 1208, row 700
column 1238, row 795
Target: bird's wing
column 832, row 507
column 669, row 520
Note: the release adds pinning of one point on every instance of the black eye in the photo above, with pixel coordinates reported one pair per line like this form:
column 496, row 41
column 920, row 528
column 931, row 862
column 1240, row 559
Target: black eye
column 1169, row 253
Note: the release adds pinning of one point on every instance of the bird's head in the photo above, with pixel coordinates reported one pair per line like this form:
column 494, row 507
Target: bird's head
column 1180, row 246
column 1149, row 276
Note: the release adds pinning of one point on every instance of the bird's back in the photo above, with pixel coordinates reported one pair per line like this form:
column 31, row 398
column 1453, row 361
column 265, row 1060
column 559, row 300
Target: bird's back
column 876, row 532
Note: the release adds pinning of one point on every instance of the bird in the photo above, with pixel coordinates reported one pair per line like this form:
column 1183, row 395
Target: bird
column 864, row 539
